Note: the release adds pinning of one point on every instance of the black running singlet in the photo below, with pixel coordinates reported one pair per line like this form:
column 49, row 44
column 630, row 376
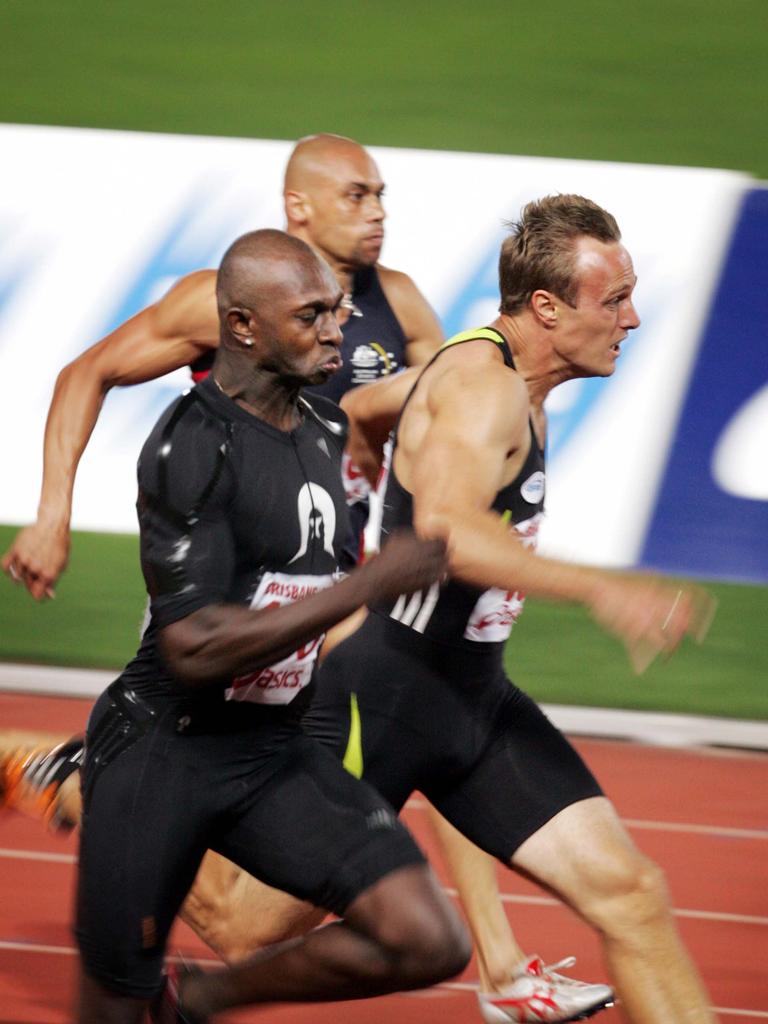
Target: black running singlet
column 373, row 345
column 233, row 510
column 457, row 613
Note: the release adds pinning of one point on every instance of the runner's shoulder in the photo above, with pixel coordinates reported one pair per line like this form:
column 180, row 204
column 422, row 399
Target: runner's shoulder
column 189, row 309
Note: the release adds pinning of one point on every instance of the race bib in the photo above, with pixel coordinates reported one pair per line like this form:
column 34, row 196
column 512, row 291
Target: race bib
column 279, row 683
column 496, row 611
column 356, row 487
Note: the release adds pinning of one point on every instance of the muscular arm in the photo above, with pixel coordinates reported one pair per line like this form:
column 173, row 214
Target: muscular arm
column 423, row 333
column 372, row 410
column 474, row 420
column 454, row 470
column 165, row 336
column 218, row 642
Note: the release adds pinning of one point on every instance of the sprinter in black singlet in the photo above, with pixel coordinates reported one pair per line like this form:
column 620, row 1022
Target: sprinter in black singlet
column 437, row 713
column 198, row 744
column 417, row 698
column 374, row 345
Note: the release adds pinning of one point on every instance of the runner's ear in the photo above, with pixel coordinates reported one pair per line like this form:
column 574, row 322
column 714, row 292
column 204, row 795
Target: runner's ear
column 297, row 208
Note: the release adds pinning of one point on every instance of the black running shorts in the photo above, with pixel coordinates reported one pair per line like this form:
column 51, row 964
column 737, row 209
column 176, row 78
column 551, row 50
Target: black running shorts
column 164, row 782
column 408, row 714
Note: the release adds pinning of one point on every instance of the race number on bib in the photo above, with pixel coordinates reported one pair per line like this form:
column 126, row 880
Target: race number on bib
column 279, row 683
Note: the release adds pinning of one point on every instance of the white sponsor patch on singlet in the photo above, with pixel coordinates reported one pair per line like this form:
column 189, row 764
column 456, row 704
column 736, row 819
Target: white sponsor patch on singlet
column 279, row 683
column 533, row 488
column 496, row 610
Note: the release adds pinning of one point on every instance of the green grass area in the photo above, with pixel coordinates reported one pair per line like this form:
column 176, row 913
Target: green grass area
column 556, row 652
column 560, row 656
column 95, row 618
column 665, row 81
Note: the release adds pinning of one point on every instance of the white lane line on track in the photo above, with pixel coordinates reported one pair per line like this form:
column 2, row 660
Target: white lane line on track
column 33, row 947
column 454, row 986
column 702, row 915
column 524, row 900
column 696, row 915
column 419, row 804
column 55, row 858
column 702, row 830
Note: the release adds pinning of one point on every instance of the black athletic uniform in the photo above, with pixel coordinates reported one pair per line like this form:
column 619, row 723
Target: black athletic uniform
column 417, row 698
column 231, row 510
column 373, row 346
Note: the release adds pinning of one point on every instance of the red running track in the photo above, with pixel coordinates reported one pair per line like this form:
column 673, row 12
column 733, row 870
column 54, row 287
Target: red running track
column 700, row 814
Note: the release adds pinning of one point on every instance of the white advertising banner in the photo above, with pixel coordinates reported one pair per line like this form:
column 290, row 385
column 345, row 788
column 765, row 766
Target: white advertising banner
column 95, row 225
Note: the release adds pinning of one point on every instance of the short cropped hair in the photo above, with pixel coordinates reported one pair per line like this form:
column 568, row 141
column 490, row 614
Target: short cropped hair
column 539, row 251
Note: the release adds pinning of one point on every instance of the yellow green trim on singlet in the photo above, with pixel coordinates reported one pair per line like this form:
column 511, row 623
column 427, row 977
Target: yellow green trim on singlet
column 506, row 516
column 487, row 333
column 353, row 755
column 384, row 356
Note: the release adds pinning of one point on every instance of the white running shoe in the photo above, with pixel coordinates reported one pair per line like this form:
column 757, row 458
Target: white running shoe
column 539, row 994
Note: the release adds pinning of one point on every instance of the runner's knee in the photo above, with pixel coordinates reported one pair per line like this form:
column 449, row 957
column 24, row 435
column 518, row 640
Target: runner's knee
column 632, row 895
column 425, row 943
column 430, row 954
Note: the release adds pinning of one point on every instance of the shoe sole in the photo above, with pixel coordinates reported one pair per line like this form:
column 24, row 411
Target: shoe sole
column 581, row 1015
column 586, row 1014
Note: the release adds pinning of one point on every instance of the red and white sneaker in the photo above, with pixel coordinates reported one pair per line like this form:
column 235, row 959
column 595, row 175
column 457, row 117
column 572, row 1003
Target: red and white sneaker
column 539, row 994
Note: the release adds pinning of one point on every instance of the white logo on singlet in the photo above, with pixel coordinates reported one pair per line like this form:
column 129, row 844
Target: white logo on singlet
column 317, row 519
column 533, row 488
column 365, row 357
column 371, row 361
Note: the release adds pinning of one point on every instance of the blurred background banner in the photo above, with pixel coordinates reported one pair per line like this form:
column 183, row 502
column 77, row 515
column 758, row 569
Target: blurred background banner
column 711, row 509
column 663, row 464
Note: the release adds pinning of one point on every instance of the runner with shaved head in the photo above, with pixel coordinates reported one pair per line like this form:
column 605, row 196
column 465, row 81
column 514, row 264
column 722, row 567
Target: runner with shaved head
column 328, row 180
column 199, row 744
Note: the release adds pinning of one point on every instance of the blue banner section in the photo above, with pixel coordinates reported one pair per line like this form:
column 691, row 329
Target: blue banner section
column 711, row 512
column 189, row 243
